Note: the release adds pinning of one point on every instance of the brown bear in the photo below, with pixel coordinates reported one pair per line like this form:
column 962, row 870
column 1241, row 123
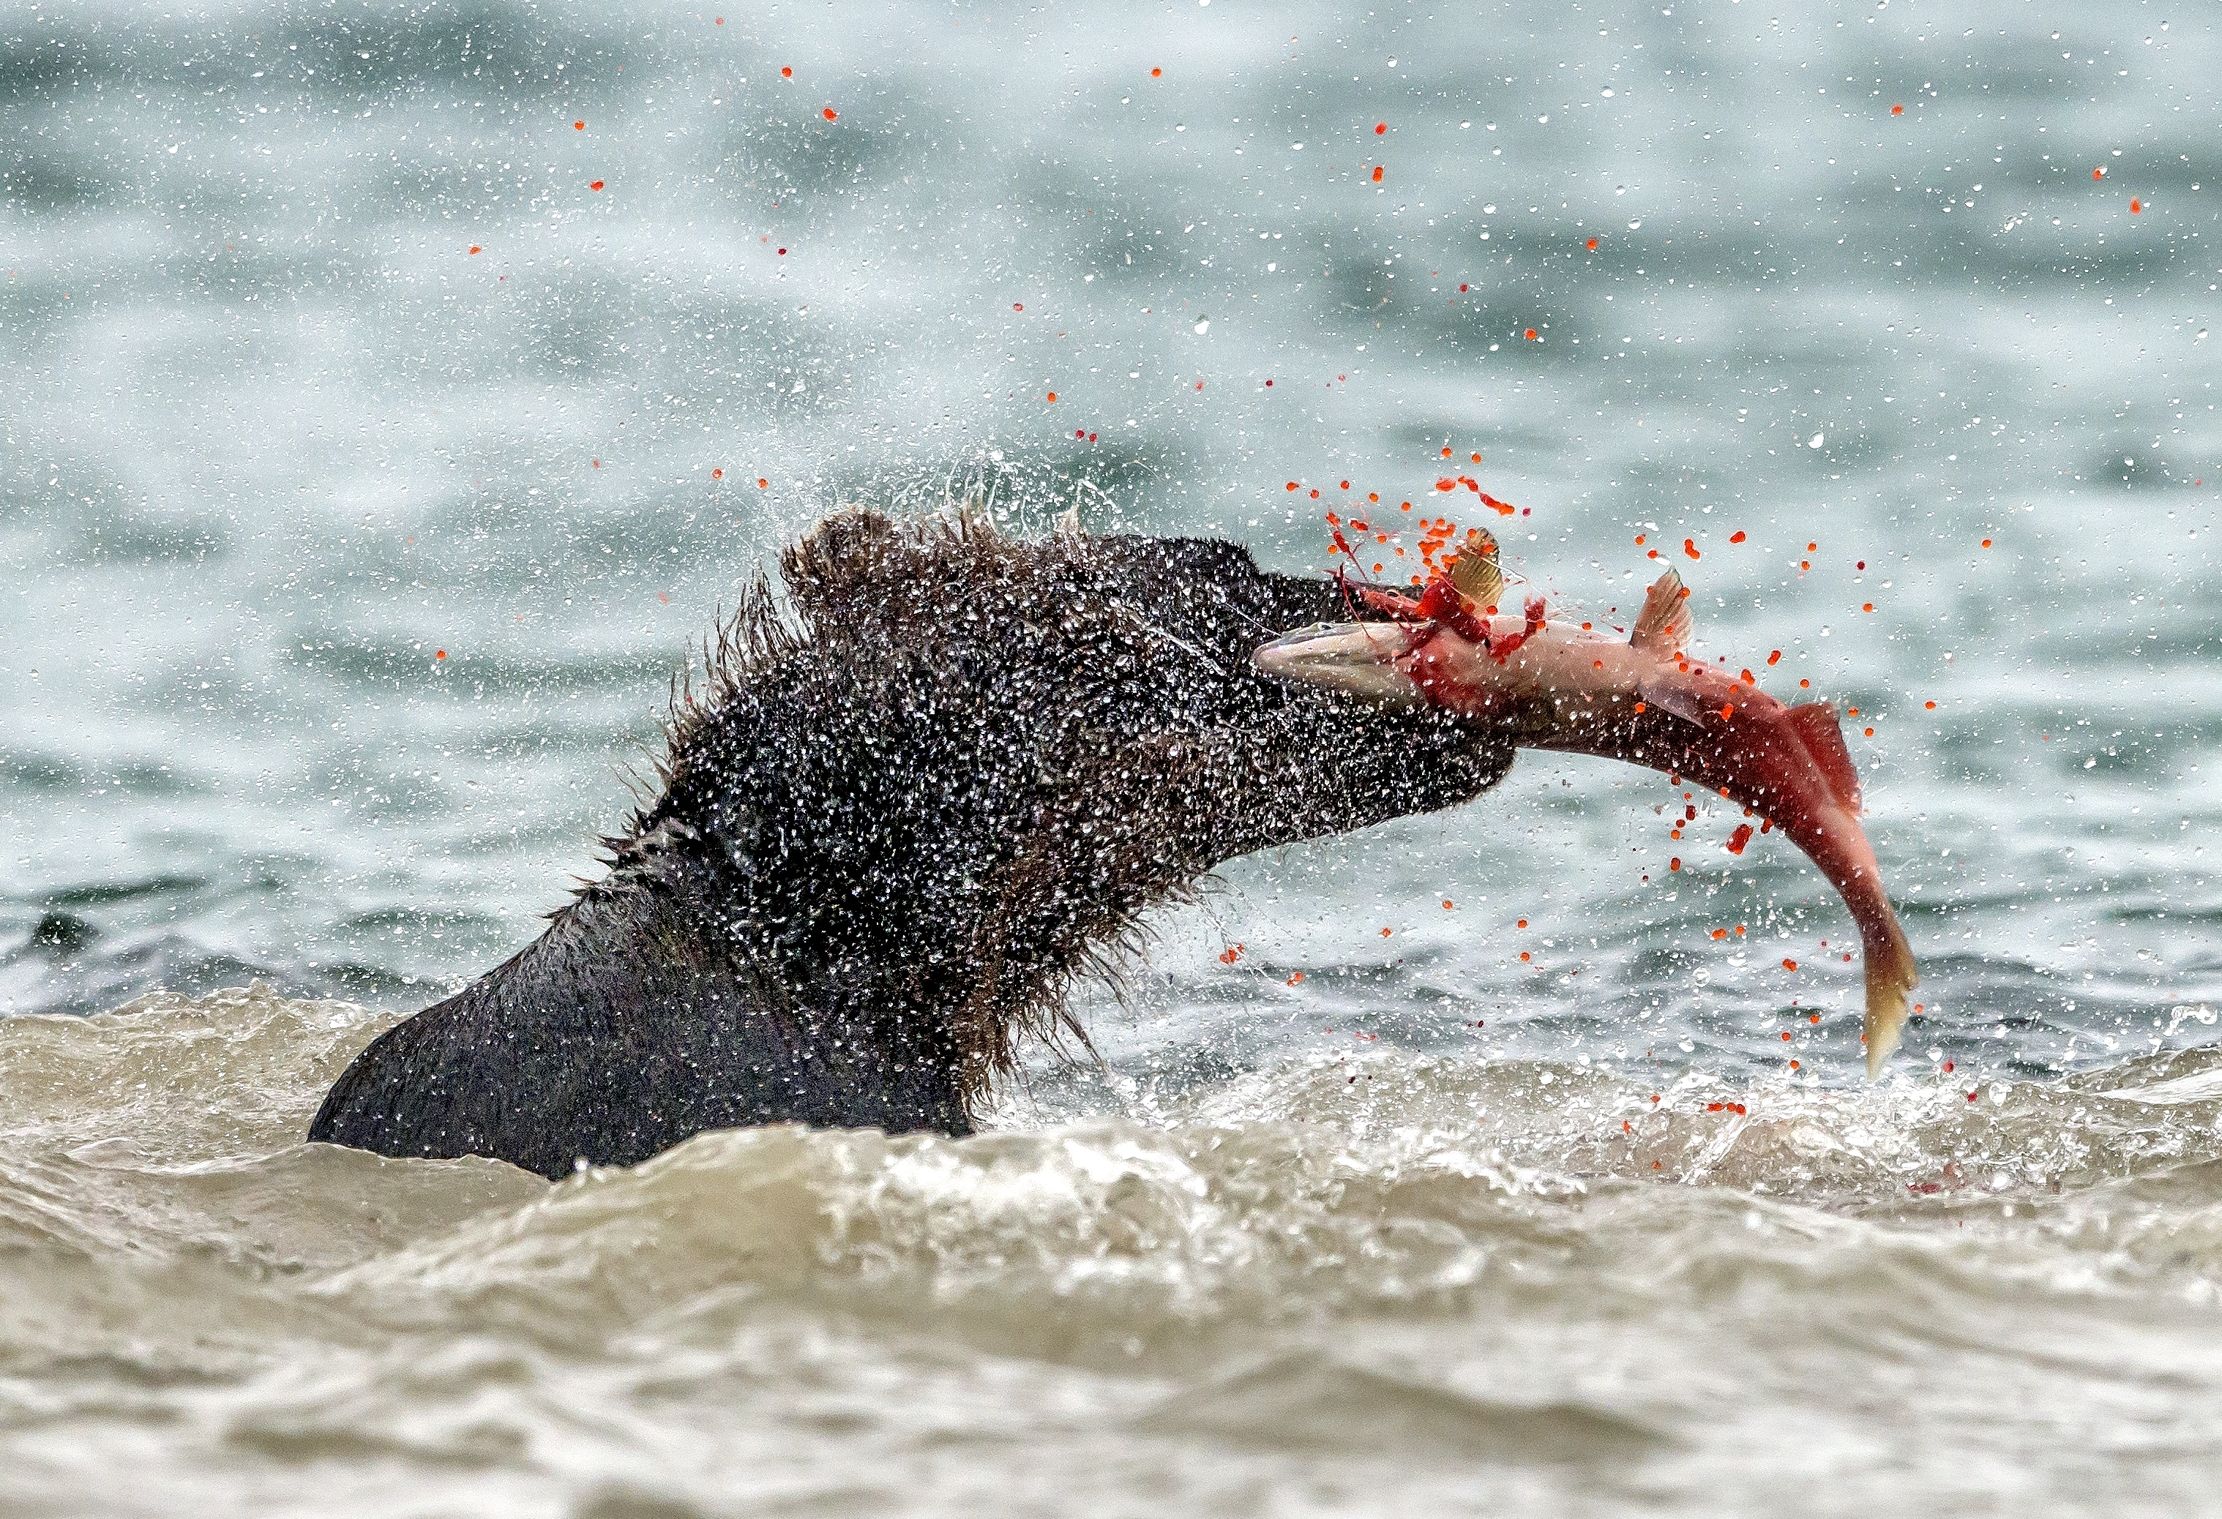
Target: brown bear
column 897, row 820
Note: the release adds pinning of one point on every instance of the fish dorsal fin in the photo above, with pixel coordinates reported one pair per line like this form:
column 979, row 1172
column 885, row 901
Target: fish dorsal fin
column 1475, row 574
column 1663, row 626
column 1817, row 729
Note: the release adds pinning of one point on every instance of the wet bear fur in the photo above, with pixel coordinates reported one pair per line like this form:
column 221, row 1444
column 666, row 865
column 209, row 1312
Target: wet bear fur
column 900, row 814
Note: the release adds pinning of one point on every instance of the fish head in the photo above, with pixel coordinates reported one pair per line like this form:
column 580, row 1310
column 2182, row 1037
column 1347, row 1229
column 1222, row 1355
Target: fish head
column 1367, row 660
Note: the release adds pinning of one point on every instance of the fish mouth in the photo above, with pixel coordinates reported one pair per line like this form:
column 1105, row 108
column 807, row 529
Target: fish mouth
column 1354, row 658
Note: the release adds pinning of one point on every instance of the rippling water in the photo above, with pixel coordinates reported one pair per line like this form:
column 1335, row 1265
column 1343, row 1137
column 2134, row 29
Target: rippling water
column 274, row 438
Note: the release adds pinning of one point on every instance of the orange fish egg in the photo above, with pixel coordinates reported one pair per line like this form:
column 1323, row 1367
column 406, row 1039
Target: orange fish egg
column 1790, row 964
column 1377, row 174
column 594, row 185
column 1897, row 110
column 830, row 114
column 1737, row 536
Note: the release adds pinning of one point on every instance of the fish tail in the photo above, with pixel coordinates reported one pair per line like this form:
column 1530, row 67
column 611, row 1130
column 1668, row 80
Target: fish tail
column 1891, row 975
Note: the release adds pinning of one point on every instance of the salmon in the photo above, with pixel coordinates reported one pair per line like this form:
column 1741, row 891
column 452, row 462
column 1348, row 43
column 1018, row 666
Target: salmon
column 1642, row 699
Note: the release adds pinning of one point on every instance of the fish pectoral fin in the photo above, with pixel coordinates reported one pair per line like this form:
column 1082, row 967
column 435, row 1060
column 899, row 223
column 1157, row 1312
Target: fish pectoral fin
column 1663, row 626
column 1670, row 700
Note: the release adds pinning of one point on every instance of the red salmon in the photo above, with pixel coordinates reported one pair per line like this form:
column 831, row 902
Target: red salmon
column 1643, row 700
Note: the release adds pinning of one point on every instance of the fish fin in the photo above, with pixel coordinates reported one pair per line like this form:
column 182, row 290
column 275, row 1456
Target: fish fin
column 1663, row 626
column 1891, row 974
column 1671, row 701
column 1816, row 727
column 1475, row 574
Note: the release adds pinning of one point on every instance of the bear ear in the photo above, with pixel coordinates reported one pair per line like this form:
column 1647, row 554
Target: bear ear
column 852, row 553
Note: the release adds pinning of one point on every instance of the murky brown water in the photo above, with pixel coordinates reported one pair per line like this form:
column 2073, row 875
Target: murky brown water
column 1390, row 1284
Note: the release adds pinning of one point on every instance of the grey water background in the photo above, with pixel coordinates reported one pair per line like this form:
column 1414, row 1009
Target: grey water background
column 366, row 473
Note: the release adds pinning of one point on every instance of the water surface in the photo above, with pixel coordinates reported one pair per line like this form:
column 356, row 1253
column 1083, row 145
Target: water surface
column 347, row 567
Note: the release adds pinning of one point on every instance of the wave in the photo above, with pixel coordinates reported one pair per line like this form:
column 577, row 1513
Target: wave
column 1392, row 1277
